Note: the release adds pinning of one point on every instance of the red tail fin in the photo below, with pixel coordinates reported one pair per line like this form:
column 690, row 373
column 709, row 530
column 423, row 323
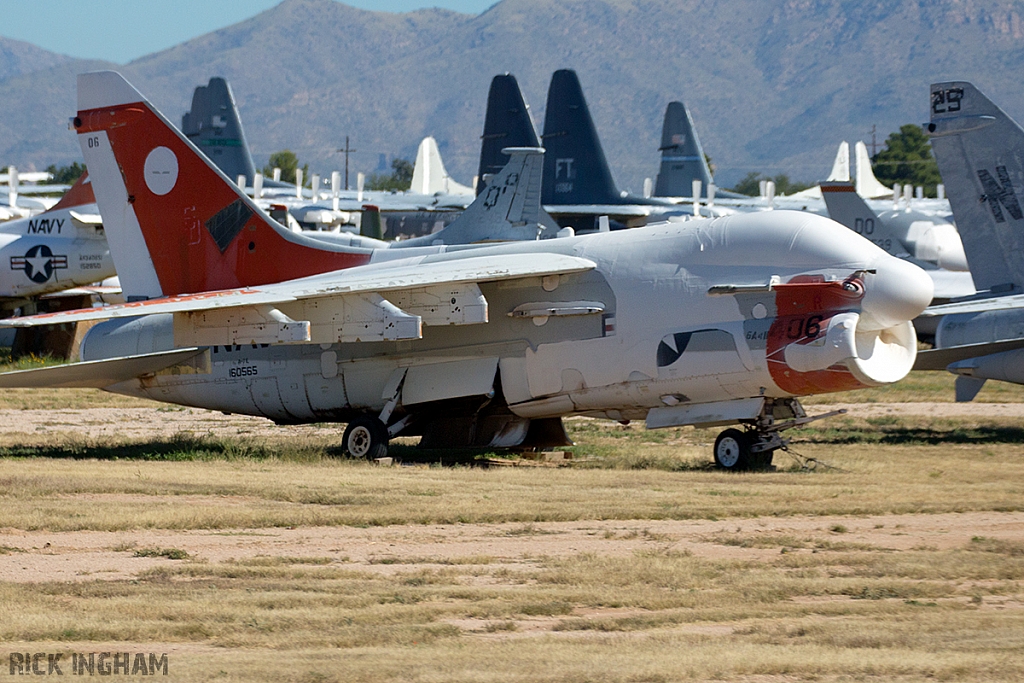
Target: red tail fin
column 201, row 232
column 80, row 194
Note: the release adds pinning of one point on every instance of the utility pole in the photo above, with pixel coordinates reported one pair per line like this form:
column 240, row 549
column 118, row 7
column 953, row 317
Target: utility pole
column 347, row 150
column 874, row 145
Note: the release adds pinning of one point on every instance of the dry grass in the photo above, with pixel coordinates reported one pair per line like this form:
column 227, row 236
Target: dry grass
column 657, row 615
column 749, row 604
column 629, row 475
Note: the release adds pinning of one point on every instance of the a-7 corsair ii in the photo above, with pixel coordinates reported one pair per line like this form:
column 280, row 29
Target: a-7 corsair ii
column 708, row 322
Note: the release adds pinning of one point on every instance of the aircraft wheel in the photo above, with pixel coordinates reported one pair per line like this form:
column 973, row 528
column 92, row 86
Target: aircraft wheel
column 732, row 450
column 366, row 437
column 762, row 460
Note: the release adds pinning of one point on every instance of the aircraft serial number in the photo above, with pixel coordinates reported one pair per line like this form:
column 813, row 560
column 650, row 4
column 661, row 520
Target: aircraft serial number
column 804, row 327
column 243, row 371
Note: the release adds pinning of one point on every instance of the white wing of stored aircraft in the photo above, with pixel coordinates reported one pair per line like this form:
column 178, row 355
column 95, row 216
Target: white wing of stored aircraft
column 346, row 287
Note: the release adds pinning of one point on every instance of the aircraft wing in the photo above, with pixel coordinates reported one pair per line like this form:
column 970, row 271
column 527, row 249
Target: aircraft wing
column 345, row 305
column 939, row 359
column 614, row 210
column 403, row 204
column 98, row 373
column 998, row 303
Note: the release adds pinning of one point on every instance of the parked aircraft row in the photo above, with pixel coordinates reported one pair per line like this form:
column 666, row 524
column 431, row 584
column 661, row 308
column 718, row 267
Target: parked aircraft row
column 399, row 338
column 704, row 322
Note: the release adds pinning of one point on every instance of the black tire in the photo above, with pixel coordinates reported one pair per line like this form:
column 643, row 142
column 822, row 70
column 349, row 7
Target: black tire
column 762, row 460
column 732, row 451
column 366, row 437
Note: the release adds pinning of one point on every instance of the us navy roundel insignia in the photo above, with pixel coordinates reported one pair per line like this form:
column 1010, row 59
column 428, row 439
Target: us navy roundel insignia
column 39, row 262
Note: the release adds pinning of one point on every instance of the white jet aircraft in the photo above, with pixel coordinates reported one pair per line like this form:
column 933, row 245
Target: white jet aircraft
column 708, row 322
column 57, row 250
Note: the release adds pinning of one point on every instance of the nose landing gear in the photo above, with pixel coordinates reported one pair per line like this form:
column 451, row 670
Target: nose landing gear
column 753, row 448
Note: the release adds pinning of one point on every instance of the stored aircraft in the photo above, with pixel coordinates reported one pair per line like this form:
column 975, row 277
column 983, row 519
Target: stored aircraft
column 929, row 241
column 578, row 188
column 980, row 150
column 213, row 124
column 59, row 249
column 706, row 322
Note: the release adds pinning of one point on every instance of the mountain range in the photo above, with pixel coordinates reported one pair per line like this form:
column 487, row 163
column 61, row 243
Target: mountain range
column 773, row 86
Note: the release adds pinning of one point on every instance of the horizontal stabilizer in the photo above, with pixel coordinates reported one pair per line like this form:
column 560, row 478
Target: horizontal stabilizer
column 939, row 359
column 97, row 374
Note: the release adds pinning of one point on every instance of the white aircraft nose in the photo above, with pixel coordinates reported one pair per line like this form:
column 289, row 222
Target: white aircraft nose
column 895, row 293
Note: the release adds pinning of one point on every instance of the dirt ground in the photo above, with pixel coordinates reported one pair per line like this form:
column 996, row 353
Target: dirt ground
column 90, row 555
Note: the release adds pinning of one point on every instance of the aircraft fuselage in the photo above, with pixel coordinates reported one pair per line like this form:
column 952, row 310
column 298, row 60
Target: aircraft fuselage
column 645, row 330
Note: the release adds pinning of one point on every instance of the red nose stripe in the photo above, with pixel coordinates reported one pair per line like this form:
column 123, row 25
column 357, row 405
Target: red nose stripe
column 804, row 311
column 177, row 225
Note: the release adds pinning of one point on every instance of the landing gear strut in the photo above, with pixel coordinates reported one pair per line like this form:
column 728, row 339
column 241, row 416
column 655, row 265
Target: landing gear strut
column 753, row 449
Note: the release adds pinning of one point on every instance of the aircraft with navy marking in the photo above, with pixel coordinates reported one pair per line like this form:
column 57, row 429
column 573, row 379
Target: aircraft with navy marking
column 706, row 322
column 979, row 149
column 63, row 248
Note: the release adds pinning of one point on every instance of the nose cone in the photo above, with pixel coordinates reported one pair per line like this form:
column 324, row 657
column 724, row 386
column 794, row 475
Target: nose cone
column 895, row 293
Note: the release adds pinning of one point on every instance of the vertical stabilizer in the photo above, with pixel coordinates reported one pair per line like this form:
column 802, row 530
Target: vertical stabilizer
column 867, row 184
column 429, row 175
column 682, row 157
column 841, row 166
column 506, row 124
column 213, row 125
column 846, row 206
column 575, row 168
column 980, row 150
column 509, row 209
column 176, row 223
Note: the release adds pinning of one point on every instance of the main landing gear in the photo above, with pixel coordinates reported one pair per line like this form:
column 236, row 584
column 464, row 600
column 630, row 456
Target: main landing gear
column 366, row 437
column 753, row 447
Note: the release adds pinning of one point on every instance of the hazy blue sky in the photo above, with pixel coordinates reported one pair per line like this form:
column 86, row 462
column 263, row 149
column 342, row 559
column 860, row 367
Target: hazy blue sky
column 122, row 30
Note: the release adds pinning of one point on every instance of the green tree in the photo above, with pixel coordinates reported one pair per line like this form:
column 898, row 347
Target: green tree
column 288, row 163
column 66, row 175
column 398, row 180
column 751, row 184
column 907, row 159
